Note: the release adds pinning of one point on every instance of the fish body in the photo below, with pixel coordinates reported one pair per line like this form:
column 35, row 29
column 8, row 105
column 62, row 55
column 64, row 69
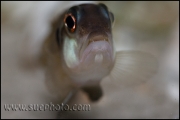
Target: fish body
column 79, row 53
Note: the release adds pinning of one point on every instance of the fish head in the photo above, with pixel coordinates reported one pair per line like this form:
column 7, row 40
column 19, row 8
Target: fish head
column 87, row 47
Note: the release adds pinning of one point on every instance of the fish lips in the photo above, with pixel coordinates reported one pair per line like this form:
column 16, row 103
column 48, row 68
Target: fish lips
column 99, row 50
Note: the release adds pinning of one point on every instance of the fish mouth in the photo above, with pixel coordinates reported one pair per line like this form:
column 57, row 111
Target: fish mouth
column 98, row 50
column 97, row 38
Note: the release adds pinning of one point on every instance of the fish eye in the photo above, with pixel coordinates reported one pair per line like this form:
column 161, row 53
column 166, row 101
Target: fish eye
column 70, row 22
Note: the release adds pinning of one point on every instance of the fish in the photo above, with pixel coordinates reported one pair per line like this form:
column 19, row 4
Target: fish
column 79, row 52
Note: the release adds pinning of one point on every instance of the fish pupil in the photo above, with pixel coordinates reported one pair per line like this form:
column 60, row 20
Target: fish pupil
column 69, row 22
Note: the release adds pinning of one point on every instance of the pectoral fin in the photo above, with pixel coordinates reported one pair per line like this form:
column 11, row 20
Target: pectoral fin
column 133, row 67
